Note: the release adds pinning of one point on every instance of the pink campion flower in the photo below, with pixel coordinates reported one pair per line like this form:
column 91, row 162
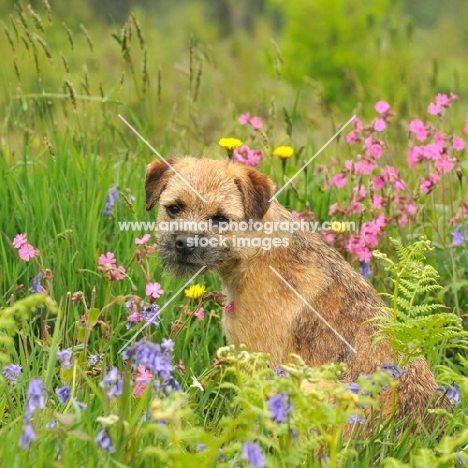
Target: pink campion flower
column 364, row 254
column 364, row 167
column 377, row 202
column 415, row 155
column 358, row 124
column 107, row 260
column 348, row 165
column 403, row 220
column 154, row 290
column 454, row 97
column 181, row 367
column 143, row 240
column 355, row 207
column 339, row 180
column 378, row 183
column 458, row 144
column 442, row 100
column 351, row 138
column 417, row 127
column 400, row 185
column 396, row 199
column 142, row 378
column 360, row 191
column 380, row 221
column 382, row 107
column 229, row 307
column 248, row 156
column 295, row 214
column 244, row 118
column 200, row 314
column 439, row 139
column 26, row 252
column 432, row 151
column 379, row 125
column 444, row 165
column 434, row 109
column 333, row 209
column 368, row 142
column 411, row 209
column 428, row 183
column 375, row 151
column 19, row 240
column 116, row 274
column 392, row 173
column 329, row 237
column 256, row 123
column 135, row 317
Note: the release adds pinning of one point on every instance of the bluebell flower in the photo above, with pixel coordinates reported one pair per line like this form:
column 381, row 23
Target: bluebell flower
column 167, row 344
column 81, row 405
column 365, row 269
column 36, row 284
column 63, row 394
column 112, row 197
column 151, row 314
column 35, row 397
column 64, row 356
column 280, row 407
column 253, row 454
column 453, row 394
column 458, row 238
column 104, row 442
column 94, row 359
column 281, row 372
column 354, row 418
column 27, row 435
column 354, row 387
column 200, row 447
column 113, row 382
column 170, row 385
column 11, row 373
column 51, row 424
column 392, row 369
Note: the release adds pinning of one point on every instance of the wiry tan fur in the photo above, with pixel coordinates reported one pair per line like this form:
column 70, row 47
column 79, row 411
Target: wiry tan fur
column 267, row 315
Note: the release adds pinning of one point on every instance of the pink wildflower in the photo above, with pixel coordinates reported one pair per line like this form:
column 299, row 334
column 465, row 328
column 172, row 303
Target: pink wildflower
column 200, row 314
column 411, row 209
column 229, row 307
column 116, row 274
column 248, row 156
column 339, row 180
column 351, row 138
column 329, row 237
column 244, row 118
column 434, row 109
column 442, row 100
column 154, row 290
column 143, row 240
column 181, row 367
column 256, row 123
column 108, row 260
column 403, row 220
column 375, row 151
column 458, row 144
column 26, row 252
column 295, row 214
column 399, row 185
column 382, row 107
column 333, row 209
column 135, row 317
column 417, row 127
column 348, row 165
column 379, row 125
column 20, row 240
column 364, row 167
column 415, row 154
column 142, row 378
column 360, row 191
column 377, row 202
column 358, row 124
column 378, row 182
column 428, row 183
column 444, row 165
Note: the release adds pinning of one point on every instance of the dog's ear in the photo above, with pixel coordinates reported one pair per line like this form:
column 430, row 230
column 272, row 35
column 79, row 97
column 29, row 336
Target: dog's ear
column 158, row 174
column 256, row 189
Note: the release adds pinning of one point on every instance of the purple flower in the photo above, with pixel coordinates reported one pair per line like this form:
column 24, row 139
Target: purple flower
column 200, row 447
column 11, row 372
column 365, row 269
column 280, row 407
column 27, row 436
column 458, row 238
column 81, row 405
column 167, row 345
column 252, row 452
column 35, row 397
column 170, row 385
column 64, row 356
column 112, row 197
column 94, row 359
column 354, row 387
column 453, row 394
column 151, row 314
column 104, row 442
column 281, row 372
column 392, row 369
column 113, row 381
column 36, row 284
column 354, row 418
column 51, row 424
column 63, row 394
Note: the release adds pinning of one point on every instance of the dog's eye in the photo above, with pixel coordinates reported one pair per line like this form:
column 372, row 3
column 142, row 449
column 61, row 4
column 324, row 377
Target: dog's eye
column 173, row 210
column 219, row 219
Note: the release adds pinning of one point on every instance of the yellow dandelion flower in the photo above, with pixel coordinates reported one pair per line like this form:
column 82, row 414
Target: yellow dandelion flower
column 283, row 152
column 230, row 144
column 338, row 227
column 195, row 291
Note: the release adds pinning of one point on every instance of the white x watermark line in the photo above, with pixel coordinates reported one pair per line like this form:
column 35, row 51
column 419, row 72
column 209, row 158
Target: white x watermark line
column 160, row 157
column 312, row 158
column 313, row 309
column 162, row 308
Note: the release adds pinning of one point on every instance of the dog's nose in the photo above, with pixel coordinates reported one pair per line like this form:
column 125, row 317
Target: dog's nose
column 184, row 244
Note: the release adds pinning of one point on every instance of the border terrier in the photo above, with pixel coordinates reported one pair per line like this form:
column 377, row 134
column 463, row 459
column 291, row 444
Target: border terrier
column 295, row 297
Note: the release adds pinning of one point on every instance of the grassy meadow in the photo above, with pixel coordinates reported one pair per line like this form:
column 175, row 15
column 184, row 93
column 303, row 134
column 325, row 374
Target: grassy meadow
column 75, row 288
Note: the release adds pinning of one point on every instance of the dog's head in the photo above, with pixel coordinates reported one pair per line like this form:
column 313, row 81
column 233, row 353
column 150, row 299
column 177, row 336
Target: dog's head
column 198, row 198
